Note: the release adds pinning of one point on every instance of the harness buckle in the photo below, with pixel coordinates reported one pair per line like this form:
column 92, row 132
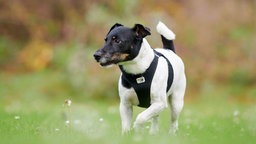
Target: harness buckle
column 140, row 80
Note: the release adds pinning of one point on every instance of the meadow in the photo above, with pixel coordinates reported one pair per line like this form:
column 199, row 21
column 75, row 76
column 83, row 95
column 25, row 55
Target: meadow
column 29, row 116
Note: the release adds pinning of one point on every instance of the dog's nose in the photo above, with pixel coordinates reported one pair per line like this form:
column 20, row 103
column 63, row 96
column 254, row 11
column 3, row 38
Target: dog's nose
column 97, row 55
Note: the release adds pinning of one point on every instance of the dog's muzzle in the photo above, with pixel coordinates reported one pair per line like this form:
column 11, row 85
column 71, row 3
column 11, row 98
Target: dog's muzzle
column 97, row 55
column 100, row 58
column 104, row 59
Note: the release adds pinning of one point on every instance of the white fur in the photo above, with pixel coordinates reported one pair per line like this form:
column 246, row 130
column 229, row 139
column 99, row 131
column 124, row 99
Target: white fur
column 159, row 97
column 165, row 31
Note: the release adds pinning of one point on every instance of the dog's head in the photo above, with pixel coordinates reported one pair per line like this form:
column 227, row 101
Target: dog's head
column 121, row 44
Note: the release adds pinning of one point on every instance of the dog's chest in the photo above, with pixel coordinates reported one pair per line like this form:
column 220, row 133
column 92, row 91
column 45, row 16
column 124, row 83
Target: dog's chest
column 141, row 83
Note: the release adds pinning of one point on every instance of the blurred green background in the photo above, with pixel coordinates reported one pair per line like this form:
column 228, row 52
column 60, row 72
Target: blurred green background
column 46, row 49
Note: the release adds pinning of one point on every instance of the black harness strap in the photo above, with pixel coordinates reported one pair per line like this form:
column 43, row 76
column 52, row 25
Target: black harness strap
column 170, row 71
column 142, row 82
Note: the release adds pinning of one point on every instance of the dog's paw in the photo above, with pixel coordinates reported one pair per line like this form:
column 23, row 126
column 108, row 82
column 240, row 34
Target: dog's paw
column 173, row 129
column 126, row 132
column 153, row 131
column 138, row 127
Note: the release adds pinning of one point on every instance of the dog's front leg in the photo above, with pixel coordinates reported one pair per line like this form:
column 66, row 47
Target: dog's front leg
column 126, row 117
column 148, row 114
column 154, row 125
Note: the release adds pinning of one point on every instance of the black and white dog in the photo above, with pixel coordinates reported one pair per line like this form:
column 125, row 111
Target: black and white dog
column 150, row 77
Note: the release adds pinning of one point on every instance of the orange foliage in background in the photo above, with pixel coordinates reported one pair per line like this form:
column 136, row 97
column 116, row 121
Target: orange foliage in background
column 36, row 55
column 216, row 39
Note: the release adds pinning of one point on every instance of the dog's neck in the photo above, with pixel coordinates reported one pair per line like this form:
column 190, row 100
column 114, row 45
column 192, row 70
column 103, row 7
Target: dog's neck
column 142, row 61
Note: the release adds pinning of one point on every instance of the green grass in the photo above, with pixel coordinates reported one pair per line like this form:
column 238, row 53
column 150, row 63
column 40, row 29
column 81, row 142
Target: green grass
column 32, row 113
column 100, row 123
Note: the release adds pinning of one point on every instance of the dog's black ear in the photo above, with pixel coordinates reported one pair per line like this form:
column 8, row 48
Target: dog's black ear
column 141, row 31
column 114, row 26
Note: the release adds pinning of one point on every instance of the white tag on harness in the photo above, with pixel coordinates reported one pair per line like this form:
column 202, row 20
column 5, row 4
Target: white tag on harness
column 140, row 80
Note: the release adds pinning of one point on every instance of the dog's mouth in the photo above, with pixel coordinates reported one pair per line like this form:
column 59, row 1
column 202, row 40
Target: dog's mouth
column 107, row 60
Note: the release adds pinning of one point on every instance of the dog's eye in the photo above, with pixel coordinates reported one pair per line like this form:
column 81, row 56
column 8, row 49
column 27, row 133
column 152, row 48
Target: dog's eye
column 117, row 41
column 114, row 38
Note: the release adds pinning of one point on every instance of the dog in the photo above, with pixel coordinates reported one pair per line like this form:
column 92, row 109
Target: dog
column 150, row 78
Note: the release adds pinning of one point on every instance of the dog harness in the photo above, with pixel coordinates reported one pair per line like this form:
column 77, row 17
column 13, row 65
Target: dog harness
column 141, row 83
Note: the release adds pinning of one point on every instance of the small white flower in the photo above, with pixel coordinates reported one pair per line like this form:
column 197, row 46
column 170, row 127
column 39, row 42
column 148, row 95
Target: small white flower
column 16, row 117
column 56, row 129
column 235, row 113
column 101, row 120
column 68, row 102
column 67, row 121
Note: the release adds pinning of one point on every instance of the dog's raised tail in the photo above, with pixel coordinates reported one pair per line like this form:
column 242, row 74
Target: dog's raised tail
column 167, row 36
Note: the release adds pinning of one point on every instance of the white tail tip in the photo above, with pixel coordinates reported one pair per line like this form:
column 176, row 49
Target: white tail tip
column 165, row 31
